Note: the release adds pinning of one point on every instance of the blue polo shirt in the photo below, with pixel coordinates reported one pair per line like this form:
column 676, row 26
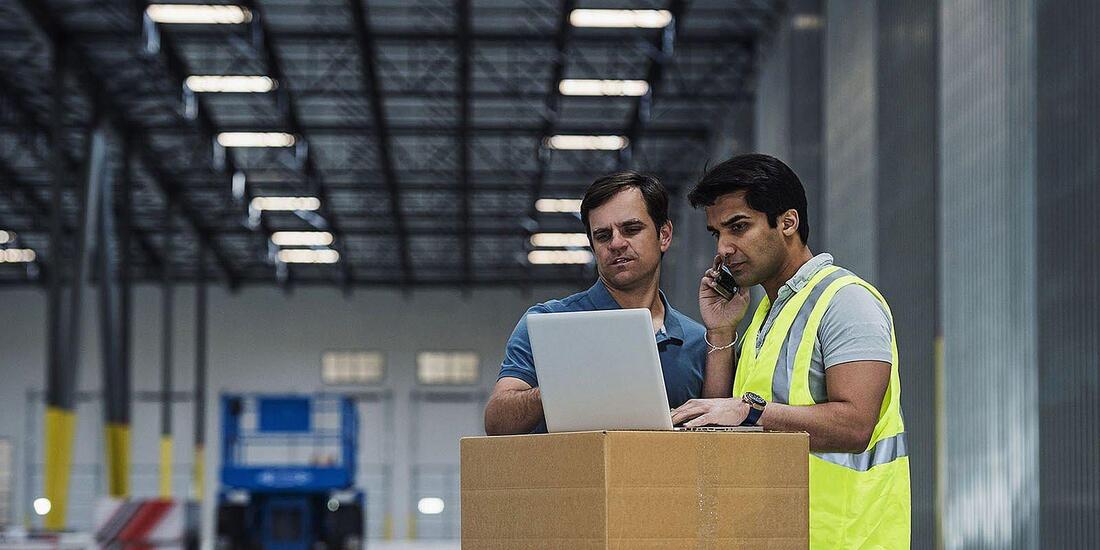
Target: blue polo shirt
column 681, row 345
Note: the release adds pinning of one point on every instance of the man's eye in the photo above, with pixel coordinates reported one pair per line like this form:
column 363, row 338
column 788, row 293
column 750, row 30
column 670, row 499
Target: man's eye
column 600, row 237
column 738, row 227
column 714, row 234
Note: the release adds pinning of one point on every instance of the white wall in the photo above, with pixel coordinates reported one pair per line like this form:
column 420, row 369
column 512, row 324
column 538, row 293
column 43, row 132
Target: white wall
column 264, row 340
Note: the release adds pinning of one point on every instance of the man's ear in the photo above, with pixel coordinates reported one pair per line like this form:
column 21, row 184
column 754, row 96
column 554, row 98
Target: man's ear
column 665, row 236
column 789, row 222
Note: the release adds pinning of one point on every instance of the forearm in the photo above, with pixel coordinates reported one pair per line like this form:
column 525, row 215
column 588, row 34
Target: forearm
column 718, row 381
column 833, row 426
column 513, row 412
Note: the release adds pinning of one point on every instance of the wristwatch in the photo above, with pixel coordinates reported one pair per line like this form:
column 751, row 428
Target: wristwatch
column 756, row 408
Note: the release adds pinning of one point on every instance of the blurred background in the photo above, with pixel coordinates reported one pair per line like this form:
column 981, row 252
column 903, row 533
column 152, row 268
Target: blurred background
column 352, row 202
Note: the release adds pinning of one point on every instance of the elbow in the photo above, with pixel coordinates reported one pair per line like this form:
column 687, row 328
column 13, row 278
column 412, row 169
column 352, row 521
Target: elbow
column 860, row 438
column 491, row 425
column 494, row 424
column 491, row 428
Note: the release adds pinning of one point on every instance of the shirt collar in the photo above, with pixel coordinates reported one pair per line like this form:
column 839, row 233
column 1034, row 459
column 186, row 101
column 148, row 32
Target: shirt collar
column 805, row 273
column 601, row 299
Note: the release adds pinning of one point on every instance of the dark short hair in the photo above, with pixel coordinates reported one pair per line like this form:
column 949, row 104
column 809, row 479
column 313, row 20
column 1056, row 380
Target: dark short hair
column 601, row 191
column 770, row 187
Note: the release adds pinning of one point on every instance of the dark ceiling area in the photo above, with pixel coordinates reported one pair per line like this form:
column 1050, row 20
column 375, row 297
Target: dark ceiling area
column 420, row 127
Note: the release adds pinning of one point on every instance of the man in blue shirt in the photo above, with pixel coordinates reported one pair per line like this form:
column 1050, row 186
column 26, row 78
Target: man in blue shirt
column 626, row 217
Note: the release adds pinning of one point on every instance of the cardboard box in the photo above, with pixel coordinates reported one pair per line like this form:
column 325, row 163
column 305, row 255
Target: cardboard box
column 636, row 490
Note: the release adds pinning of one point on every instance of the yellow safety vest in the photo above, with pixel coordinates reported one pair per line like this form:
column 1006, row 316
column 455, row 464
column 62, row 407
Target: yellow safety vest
column 857, row 500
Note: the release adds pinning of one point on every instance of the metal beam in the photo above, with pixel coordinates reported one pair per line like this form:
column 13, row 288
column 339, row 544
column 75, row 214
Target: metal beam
column 433, row 129
column 589, row 37
column 199, row 461
column 663, row 48
column 39, row 14
column 166, row 358
column 365, row 179
column 60, row 418
column 464, row 76
column 116, row 398
column 60, row 403
column 292, row 118
column 125, row 307
column 336, row 94
column 368, row 59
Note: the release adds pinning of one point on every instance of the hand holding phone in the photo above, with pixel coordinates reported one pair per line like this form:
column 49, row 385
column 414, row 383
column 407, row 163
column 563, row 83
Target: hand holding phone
column 722, row 304
column 725, row 284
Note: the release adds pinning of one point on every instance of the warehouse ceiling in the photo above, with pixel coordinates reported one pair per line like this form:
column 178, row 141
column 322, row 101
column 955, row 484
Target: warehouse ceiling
column 419, row 126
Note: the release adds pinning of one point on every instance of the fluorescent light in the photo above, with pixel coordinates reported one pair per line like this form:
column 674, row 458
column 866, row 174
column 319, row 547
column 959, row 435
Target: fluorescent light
column 286, row 203
column 42, row 506
column 807, row 21
column 638, row 19
column 587, row 143
column 6, row 237
column 255, row 139
column 17, row 256
column 430, row 505
column 559, row 257
column 239, row 83
column 558, row 205
column 198, row 14
column 301, row 238
column 590, row 87
column 309, row 256
column 559, row 240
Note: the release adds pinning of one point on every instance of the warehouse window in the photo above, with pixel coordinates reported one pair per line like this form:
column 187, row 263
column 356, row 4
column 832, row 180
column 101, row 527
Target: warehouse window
column 447, row 367
column 352, row 367
column 5, row 481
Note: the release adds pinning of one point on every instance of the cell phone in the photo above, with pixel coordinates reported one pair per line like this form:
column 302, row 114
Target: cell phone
column 724, row 283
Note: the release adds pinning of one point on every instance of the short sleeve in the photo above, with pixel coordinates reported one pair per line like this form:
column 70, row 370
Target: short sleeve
column 518, row 359
column 855, row 327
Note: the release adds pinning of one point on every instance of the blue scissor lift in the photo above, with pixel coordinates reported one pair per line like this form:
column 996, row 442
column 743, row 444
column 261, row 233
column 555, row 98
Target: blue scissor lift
column 288, row 473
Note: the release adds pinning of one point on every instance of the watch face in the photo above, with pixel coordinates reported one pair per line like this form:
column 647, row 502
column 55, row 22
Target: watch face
column 754, row 399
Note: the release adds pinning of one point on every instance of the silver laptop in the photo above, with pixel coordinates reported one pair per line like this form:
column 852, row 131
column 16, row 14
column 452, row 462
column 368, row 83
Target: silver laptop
column 599, row 370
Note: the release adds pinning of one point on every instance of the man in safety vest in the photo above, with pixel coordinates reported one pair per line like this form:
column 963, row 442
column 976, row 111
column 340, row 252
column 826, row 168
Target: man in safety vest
column 819, row 356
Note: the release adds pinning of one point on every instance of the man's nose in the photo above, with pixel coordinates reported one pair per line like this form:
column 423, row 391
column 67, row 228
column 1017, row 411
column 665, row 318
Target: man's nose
column 617, row 240
column 726, row 248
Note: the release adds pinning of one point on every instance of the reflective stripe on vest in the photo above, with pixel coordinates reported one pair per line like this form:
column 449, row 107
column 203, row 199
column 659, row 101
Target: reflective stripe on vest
column 884, row 451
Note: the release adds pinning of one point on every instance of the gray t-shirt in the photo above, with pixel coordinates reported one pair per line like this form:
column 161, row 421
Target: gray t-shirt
column 855, row 326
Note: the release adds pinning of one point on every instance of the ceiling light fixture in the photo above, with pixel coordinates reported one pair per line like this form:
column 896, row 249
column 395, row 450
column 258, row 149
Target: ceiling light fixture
column 559, row 240
column 807, row 21
column 620, row 19
column 309, row 256
column 17, row 256
column 587, row 143
column 230, row 84
column 255, row 139
column 596, row 87
column 558, row 205
column 198, row 14
column 6, row 237
column 288, row 204
column 545, row 257
column 301, row 238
